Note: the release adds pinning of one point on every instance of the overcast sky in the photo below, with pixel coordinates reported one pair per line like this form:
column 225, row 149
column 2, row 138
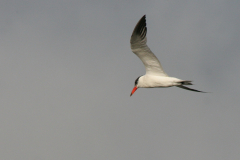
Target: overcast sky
column 67, row 71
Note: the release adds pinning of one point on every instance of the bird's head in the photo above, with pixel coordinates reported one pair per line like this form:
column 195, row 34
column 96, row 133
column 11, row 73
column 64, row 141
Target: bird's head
column 135, row 86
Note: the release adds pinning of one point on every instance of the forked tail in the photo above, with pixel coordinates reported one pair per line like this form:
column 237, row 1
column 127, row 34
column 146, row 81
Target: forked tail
column 186, row 82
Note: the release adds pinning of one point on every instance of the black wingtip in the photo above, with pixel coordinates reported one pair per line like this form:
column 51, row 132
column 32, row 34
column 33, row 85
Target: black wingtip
column 143, row 20
column 190, row 89
column 141, row 29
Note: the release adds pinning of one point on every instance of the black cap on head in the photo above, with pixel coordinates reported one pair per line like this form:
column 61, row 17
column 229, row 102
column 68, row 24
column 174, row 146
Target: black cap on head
column 136, row 81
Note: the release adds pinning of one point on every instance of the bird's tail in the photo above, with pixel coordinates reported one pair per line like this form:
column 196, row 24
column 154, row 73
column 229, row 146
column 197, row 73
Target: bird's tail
column 186, row 82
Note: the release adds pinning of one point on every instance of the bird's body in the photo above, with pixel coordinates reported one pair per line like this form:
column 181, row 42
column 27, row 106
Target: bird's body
column 152, row 81
column 155, row 77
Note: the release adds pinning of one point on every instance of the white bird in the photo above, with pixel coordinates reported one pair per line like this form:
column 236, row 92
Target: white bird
column 155, row 76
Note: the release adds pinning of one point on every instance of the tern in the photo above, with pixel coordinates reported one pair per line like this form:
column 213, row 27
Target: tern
column 155, row 77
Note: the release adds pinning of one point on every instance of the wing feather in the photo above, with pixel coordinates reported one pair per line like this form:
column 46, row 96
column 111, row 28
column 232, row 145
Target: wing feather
column 139, row 47
column 190, row 89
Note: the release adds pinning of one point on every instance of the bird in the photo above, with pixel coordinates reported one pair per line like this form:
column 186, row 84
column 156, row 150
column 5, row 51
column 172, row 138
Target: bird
column 155, row 76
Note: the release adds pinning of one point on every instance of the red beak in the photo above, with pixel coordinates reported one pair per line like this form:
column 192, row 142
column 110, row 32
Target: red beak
column 134, row 89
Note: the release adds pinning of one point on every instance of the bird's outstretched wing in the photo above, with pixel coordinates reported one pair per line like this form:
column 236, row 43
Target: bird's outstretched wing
column 139, row 47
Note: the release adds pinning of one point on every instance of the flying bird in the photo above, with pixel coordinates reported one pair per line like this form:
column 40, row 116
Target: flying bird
column 155, row 76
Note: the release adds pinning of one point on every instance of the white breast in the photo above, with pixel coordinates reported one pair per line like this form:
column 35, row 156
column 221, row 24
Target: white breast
column 150, row 81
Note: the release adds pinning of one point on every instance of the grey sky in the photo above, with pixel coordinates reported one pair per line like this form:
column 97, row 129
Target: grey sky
column 67, row 71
